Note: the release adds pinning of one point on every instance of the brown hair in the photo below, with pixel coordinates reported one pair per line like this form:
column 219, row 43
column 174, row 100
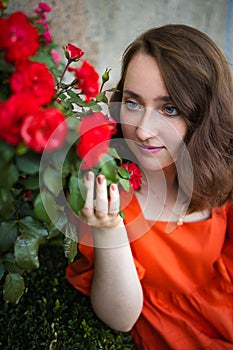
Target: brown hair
column 199, row 81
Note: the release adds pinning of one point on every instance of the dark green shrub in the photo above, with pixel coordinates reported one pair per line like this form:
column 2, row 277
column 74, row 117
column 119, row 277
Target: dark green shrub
column 52, row 315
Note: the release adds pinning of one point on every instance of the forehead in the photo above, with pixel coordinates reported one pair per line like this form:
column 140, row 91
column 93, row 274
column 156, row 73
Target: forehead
column 143, row 76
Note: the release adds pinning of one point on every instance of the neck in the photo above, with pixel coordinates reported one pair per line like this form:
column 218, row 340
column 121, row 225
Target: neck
column 165, row 179
column 161, row 194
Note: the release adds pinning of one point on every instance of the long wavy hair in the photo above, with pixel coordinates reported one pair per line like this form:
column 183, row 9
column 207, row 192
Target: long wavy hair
column 199, row 81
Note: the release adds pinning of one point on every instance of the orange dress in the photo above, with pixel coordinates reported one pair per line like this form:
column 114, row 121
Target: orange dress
column 187, row 281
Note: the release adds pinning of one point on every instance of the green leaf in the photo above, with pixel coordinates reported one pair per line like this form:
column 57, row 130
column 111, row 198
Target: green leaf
column 10, row 264
column 52, row 180
column 4, row 91
column 73, row 123
column 125, row 184
column 55, row 159
column 123, row 173
column 25, row 209
column 77, row 194
column 96, row 108
column 113, row 153
column 101, row 98
column 111, row 90
column 45, row 207
column 40, row 28
column 31, row 182
column 7, row 152
column 104, row 159
column 58, row 226
column 6, row 203
column 21, row 149
column 8, row 175
column 29, row 225
column 70, row 247
column 121, row 213
column 61, row 220
column 108, row 169
column 71, row 93
column 53, row 232
column 69, row 162
column 27, row 244
column 2, row 270
column 13, row 288
column 77, row 100
column 8, row 235
column 6, row 67
column 29, row 163
column 42, row 57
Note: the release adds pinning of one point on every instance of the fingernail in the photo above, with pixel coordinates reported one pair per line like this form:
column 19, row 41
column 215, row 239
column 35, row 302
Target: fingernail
column 114, row 187
column 100, row 179
column 89, row 175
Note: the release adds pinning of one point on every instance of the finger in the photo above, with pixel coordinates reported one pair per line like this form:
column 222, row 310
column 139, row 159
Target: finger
column 88, row 209
column 101, row 197
column 114, row 203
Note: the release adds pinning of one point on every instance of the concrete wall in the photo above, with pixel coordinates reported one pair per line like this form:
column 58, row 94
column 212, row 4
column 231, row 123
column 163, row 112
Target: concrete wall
column 103, row 28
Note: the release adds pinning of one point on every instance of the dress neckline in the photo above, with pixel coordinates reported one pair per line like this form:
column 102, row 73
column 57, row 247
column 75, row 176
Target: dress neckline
column 167, row 226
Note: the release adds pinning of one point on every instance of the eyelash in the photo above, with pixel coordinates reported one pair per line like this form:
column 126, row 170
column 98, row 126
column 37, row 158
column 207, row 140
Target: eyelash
column 164, row 110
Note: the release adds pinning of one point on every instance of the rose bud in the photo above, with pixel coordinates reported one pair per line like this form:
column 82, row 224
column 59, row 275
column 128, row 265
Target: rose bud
column 73, row 53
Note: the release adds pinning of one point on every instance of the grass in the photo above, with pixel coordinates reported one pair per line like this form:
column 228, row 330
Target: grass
column 52, row 315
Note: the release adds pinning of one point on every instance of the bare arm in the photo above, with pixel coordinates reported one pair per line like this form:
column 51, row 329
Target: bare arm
column 116, row 292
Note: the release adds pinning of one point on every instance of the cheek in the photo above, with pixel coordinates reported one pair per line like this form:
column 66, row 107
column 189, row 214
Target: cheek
column 182, row 129
column 127, row 130
column 177, row 130
column 126, row 125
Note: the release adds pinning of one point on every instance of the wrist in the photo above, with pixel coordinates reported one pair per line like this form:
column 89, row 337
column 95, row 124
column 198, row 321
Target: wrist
column 110, row 237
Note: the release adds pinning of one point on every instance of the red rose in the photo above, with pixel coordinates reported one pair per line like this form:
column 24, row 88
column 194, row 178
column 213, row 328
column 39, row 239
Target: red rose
column 87, row 80
column 55, row 56
column 46, row 35
column 45, row 130
column 18, row 37
column 35, row 78
column 44, row 7
column 95, row 132
column 73, row 53
column 41, row 9
column 12, row 114
column 135, row 175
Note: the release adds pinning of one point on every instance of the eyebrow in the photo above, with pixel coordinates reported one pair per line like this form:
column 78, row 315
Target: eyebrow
column 140, row 98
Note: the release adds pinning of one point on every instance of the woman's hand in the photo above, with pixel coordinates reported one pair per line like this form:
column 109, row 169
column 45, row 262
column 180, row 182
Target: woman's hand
column 115, row 277
column 101, row 212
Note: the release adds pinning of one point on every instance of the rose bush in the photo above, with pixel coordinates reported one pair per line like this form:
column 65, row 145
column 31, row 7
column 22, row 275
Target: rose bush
column 51, row 132
column 135, row 175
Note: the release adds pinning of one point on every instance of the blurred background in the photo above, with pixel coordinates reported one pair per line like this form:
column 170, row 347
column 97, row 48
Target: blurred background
column 103, row 28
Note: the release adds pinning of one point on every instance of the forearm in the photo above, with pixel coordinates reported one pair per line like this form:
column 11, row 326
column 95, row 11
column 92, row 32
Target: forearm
column 116, row 293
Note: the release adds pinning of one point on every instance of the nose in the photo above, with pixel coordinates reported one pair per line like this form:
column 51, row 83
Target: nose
column 147, row 127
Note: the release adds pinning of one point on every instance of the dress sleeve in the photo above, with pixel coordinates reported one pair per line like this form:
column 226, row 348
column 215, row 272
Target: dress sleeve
column 230, row 222
column 225, row 261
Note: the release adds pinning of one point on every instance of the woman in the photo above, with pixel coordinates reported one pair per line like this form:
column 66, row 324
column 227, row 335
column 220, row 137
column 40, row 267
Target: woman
column 172, row 291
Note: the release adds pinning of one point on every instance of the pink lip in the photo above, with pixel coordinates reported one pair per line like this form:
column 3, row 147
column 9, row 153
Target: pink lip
column 149, row 149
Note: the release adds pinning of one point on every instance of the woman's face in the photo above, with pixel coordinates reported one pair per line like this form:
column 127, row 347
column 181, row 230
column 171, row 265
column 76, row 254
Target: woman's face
column 151, row 124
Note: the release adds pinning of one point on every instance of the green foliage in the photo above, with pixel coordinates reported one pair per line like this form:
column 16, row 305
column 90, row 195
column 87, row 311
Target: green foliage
column 36, row 188
column 52, row 315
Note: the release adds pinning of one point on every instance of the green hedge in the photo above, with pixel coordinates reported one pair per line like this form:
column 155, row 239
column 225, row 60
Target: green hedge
column 52, row 315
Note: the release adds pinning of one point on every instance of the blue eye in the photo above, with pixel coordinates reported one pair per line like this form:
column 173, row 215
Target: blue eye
column 133, row 106
column 171, row 111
